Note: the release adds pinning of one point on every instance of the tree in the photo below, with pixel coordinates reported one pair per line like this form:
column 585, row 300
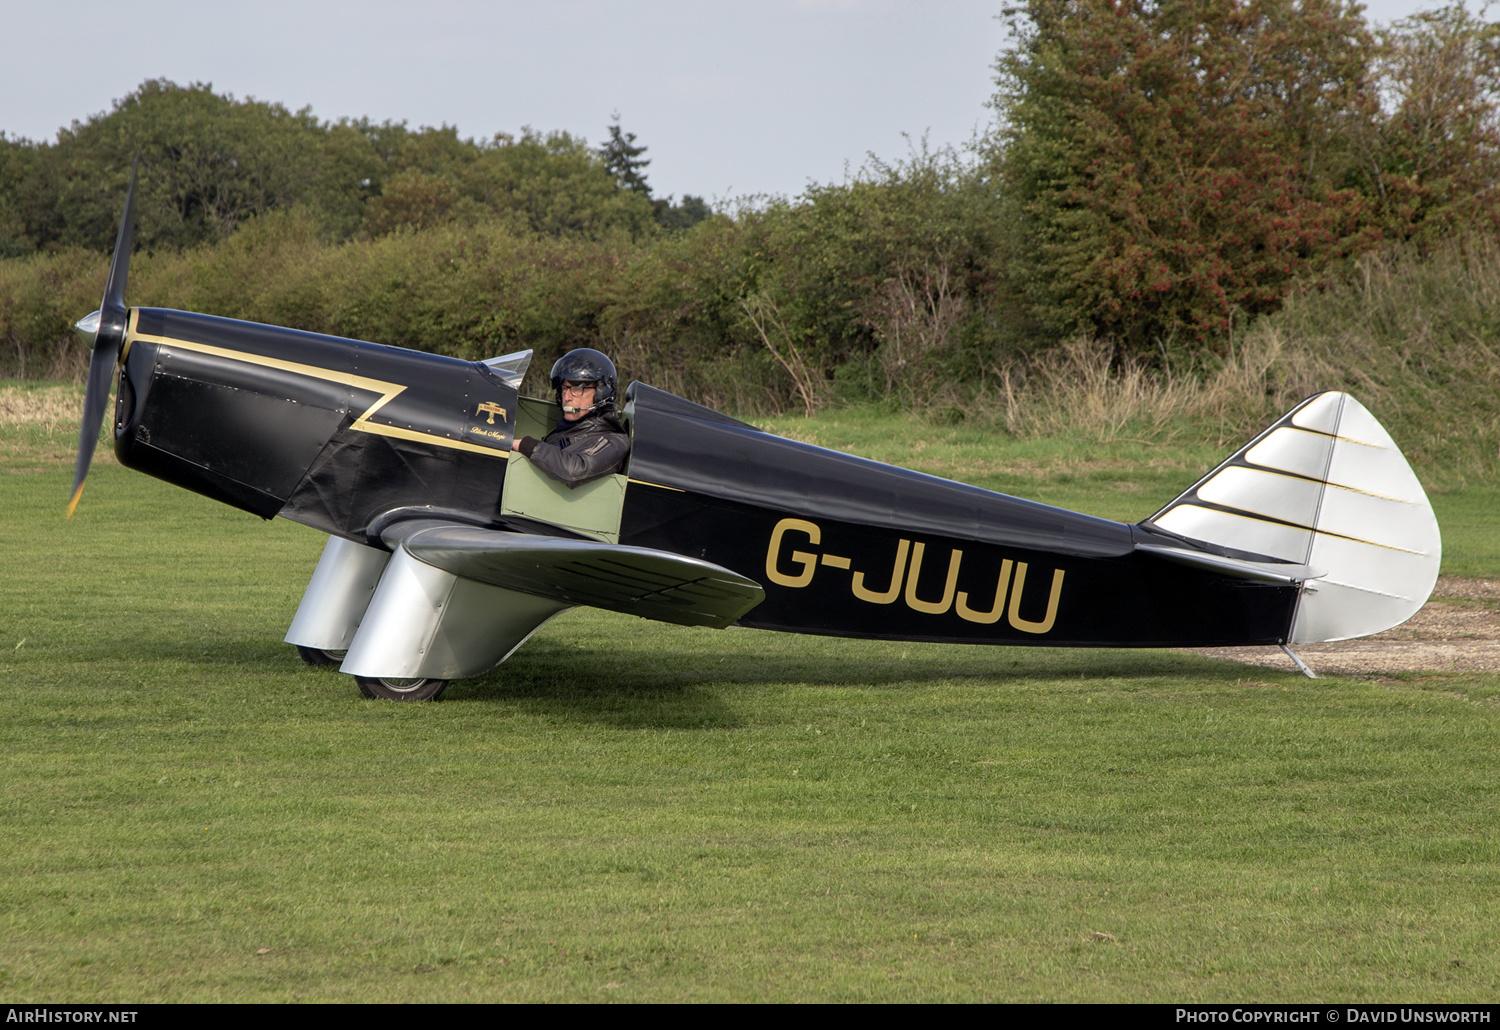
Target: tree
column 208, row 163
column 551, row 184
column 622, row 159
column 1168, row 162
column 1433, row 155
column 412, row 199
column 19, row 210
column 554, row 184
column 677, row 217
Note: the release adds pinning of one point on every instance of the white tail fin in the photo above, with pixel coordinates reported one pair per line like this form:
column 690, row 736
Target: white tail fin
column 1327, row 487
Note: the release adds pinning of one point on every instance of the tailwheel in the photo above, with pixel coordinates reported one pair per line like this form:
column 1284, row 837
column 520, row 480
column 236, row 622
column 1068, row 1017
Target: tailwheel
column 397, row 689
column 321, row 657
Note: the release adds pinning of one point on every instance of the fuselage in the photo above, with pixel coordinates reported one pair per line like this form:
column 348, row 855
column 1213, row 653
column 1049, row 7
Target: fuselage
column 346, row 436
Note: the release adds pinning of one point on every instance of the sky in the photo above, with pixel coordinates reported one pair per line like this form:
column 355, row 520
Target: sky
column 731, row 98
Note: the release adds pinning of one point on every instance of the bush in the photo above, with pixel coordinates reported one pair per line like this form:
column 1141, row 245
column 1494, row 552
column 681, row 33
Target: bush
column 40, row 298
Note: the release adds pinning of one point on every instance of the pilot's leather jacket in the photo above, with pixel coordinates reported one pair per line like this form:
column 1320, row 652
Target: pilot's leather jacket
column 576, row 452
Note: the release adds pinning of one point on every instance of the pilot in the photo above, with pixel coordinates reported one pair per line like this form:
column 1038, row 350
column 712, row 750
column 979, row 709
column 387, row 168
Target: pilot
column 589, row 442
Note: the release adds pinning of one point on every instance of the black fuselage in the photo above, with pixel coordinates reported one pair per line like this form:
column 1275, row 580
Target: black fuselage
column 346, row 436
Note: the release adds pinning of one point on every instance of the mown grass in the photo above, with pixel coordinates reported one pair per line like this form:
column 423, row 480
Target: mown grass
column 631, row 811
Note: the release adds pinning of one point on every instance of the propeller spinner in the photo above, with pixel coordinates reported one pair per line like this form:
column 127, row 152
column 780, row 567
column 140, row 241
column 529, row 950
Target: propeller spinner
column 107, row 327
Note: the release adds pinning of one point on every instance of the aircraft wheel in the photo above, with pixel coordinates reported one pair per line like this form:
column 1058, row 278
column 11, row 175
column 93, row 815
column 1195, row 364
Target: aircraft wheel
column 320, row 658
column 391, row 689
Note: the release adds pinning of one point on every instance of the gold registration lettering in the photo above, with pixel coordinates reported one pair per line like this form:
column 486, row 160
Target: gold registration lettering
column 905, row 579
column 1015, row 602
column 898, row 573
column 996, row 610
column 931, row 607
column 808, row 561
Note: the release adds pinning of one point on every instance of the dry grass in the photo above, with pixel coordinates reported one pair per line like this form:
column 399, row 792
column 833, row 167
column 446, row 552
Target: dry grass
column 49, row 407
column 1078, row 388
column 39, row 427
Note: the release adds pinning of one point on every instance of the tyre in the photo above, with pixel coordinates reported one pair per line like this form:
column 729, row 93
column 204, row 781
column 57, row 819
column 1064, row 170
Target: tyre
column 391, row 689
column 319, row 658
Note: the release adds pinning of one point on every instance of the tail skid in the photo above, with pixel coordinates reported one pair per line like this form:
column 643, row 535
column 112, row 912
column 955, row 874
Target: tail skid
column 1327, row 490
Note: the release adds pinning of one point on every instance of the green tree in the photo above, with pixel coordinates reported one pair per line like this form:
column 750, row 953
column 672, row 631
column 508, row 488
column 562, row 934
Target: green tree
column 675, row 217
column 1167, row 162
column 624, row 163
column 1433, row 154
column 622, row 159
column 550, row 184
column 208, row 163
column 20, row 212
column 413, row 199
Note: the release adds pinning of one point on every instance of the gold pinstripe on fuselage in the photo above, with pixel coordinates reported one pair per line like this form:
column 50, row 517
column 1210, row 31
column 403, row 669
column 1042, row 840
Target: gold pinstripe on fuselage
column 387, row 391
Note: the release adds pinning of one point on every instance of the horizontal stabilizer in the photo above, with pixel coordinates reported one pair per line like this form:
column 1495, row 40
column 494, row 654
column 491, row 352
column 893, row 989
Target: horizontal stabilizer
column 1263, row 572
column 1324, row 487
column 633, row 580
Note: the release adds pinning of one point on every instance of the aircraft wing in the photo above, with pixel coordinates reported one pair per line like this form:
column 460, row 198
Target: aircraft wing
column 634, row 580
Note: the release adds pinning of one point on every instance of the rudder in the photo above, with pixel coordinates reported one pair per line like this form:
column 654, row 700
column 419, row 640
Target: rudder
column 1324, row 486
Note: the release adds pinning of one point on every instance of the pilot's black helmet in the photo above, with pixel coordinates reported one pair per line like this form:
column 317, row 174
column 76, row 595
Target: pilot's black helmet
column 586, row 365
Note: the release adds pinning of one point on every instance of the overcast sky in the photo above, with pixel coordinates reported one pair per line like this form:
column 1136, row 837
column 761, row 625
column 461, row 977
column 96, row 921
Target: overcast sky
column 731, row 98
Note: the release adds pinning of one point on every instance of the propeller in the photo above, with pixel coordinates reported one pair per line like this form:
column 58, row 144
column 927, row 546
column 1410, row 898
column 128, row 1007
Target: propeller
column 107, row 327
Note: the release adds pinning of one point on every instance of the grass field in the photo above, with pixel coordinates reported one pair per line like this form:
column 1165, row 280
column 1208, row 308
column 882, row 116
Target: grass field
column 631, row 811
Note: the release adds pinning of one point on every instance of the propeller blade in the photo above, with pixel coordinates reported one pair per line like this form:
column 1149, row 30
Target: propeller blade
column 119, row 264
column 95, row 400
column 108, row 338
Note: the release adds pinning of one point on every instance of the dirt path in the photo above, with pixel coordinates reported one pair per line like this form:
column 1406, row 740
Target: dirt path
column 1457, row 631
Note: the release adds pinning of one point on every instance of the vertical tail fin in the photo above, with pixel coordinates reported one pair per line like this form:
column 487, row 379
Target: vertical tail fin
column 1324, row 486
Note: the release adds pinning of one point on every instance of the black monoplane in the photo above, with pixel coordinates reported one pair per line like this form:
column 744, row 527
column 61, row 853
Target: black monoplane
column 447, row 550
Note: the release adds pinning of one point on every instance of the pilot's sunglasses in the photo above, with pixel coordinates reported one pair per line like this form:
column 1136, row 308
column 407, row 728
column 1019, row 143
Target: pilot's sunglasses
column 578, row 387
